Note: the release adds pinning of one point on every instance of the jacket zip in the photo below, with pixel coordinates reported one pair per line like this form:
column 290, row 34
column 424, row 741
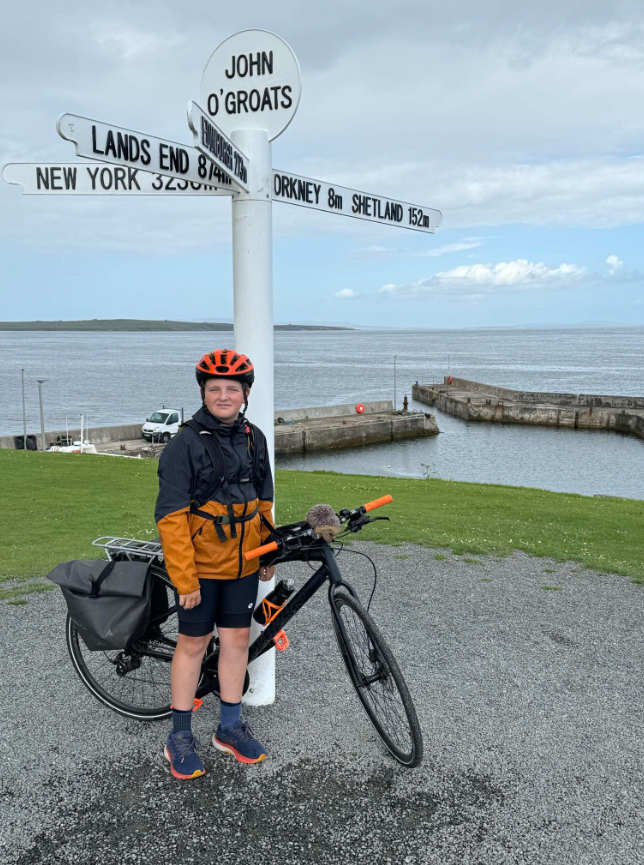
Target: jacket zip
column 241, row 540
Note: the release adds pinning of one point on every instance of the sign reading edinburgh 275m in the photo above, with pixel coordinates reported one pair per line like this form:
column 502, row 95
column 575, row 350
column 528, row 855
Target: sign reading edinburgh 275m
column 252, row 81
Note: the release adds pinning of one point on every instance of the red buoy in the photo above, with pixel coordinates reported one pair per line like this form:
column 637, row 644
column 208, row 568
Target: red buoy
column 360, row 408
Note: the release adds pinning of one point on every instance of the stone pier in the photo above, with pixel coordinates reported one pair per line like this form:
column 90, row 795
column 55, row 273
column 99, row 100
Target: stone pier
column 475, row 401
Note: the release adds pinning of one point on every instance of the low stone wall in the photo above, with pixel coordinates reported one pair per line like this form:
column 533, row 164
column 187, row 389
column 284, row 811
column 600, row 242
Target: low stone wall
column 343, row 410
column 588, row 417
column 583, row 400
column 96, row 435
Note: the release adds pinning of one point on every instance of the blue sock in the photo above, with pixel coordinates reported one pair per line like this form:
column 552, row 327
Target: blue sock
column 181, row 721
column 230, row 714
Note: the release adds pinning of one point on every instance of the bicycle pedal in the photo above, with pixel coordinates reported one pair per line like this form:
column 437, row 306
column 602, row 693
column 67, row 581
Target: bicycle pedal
column 281, row 641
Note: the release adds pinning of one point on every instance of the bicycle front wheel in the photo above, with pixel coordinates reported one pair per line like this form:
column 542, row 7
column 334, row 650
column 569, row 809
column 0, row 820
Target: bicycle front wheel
column 377, row 680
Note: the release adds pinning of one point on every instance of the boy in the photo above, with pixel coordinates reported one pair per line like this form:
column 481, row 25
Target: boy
column 207, row 519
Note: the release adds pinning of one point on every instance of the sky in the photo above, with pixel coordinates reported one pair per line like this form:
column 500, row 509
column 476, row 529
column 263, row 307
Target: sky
column 520, row 122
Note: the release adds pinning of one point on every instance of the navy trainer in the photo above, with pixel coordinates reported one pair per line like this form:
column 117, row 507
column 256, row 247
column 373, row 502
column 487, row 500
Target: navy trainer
column 240, row 742
column 180, row 752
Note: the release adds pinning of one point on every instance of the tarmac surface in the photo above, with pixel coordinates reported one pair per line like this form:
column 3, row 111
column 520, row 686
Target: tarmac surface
column 527, row 679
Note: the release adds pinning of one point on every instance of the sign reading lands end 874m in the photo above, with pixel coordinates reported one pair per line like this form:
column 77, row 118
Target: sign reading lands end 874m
column 252, row 81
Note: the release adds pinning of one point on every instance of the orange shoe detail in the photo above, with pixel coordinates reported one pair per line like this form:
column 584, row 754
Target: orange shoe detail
column 228, row 749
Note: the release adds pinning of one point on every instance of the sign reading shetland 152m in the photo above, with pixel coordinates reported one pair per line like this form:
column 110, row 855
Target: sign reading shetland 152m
column 101, row 141
column 350, row 202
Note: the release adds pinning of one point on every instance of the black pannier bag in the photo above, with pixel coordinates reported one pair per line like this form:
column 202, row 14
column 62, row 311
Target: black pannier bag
column 109, row 602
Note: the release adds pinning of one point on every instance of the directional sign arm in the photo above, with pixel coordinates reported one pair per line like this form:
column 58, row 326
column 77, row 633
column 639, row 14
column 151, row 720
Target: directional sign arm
column 211, row 141
column 332, row 198
column 113, row 144
column 96, row 178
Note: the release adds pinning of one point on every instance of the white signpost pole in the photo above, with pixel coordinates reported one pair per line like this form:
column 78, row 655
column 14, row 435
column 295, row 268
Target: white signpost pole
column 253, row 318
column 251, row 89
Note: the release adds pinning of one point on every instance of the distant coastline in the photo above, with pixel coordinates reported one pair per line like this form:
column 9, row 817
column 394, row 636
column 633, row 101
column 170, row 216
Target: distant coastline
column 136, row 325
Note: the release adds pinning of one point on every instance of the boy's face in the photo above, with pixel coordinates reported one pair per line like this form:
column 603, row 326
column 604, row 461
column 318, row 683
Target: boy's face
column 224, row 398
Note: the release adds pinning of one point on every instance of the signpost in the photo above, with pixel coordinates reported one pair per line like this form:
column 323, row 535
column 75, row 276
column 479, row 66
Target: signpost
column 252, row 81
column 217, row 147
column 107, row 143
column 78, row 178
column 250, row 91
column 351, row 202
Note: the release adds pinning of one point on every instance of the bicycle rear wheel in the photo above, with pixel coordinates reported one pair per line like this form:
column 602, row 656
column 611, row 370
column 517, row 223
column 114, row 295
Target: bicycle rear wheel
column 134, row 682
column 377, row 680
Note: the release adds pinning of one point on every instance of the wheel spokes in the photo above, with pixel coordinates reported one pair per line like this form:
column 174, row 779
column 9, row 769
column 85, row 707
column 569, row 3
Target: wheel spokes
column 376, row 683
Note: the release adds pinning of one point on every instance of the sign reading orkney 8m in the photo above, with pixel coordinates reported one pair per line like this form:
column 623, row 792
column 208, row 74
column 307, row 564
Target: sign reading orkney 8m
column 77, row 178
column 252, row 81
column 107, row 143
column 332, row 198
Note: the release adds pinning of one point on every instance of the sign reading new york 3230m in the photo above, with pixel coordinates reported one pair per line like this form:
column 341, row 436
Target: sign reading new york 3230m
column 252, row 81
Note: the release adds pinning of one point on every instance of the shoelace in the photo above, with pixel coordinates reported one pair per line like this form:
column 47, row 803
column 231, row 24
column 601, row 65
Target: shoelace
column 244, row 731
column 184, row 747
column 248, row 733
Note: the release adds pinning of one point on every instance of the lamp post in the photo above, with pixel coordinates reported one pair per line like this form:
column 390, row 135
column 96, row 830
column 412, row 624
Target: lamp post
column 24, row 415
column 42, row 418
column 395, row 356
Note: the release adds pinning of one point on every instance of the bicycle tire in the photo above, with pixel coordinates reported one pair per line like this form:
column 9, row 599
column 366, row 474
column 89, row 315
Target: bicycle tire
column 109, row 689
column 366, row 643
column 129, row 694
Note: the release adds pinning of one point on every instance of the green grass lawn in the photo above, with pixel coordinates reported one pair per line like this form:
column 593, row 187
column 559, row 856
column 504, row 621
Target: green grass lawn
column 53, row 505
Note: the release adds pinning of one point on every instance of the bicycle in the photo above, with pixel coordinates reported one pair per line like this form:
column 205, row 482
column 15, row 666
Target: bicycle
column 125, row 680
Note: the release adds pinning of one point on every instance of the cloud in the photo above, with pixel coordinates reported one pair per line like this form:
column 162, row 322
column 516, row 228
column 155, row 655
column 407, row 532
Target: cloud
column 346, row 294
column 514, row 130
column 365, row 252
column 614, row 263
column 509, row 273
column 133, row 43
column 458, row 246
column 475, row 282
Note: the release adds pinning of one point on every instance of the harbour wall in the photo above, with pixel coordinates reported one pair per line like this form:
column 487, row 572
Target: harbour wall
column 475, row 401
column 583, row 400
column 352, row 431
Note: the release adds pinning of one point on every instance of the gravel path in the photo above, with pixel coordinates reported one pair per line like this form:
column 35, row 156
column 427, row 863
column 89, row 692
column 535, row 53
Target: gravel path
column 530, row 702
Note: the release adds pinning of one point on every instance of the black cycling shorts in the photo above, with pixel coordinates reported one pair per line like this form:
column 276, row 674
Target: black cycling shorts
column 225, row 603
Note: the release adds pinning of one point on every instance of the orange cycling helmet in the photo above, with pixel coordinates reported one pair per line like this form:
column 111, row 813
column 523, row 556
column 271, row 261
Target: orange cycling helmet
column 225, row 363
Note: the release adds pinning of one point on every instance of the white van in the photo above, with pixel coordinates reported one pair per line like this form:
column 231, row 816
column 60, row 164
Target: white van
column 162, row 425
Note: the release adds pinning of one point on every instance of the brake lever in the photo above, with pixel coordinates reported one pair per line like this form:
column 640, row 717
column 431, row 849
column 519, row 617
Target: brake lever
column 358, row 524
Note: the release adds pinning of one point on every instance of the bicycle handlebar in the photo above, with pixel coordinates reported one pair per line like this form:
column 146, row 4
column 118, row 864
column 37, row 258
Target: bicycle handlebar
column 344, row 515
column 377, row 503
column 260, row 551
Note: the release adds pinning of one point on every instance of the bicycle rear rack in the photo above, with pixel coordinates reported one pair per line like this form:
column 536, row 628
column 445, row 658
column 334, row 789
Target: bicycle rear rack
column 130, row 546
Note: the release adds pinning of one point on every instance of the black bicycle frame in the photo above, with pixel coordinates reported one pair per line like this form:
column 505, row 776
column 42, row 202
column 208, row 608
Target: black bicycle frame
column 328, row 570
